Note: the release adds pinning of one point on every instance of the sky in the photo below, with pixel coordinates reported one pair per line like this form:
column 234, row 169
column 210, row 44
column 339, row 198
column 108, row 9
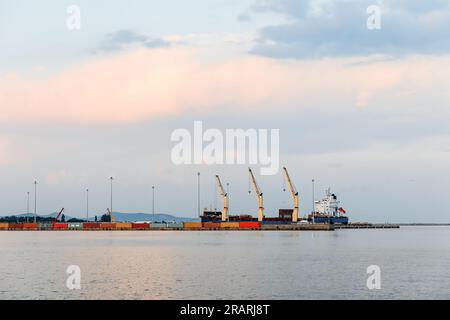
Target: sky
column 362, row 111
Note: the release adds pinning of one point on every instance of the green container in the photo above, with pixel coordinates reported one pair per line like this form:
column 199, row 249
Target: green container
column 75, row 226
column 158, row 225
column 175, row 225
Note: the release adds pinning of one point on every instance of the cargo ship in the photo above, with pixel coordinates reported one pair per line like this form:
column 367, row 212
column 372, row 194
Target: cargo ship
column 327, row 210
column 284, row 217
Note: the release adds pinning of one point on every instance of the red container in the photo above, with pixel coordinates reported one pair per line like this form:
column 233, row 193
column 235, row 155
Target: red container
column 140, row 226
column 108, row 226
column 249, row 225
column 211, row 225
column 60, row 226
column 29, row 226
column 91, row 225
column 15, row 226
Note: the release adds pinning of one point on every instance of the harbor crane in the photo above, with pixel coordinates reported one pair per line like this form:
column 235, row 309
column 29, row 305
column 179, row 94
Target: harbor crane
column 224, row 197
column 259, row 196
column 294, row 194
column 58, row 215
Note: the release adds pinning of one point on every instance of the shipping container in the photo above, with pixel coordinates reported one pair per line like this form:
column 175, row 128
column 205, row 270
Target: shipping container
column 123, row 226
column 158, row 225
column 107, row 226
column 4, row 226
column 276, row 222
column 211, row 225
column 192, row 225
column 75, row 226
column 249, row 225
column 91, row 225
column 140, row 226
column 175, row 225
column 60, row 226
column 30, row 226
column 44, row 226
column 229, row 225
column 15, row 226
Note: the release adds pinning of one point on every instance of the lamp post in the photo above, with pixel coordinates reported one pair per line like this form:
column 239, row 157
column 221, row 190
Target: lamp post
column 111, row 179
column 313, row 201
column 198, row 193
column 28, row 204
column 87, row 205
column 153, row 202
column 228, row 195
column 35, row 200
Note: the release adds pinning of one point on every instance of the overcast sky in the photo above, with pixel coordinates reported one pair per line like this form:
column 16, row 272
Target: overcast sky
column 365, row 112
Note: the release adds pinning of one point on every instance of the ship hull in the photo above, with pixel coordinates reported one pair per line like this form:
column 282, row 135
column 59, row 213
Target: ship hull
column 329, row 219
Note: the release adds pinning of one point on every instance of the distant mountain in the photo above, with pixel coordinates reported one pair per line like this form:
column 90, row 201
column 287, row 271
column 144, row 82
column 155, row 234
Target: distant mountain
column 133, row 217
column 121, row 216
column 24, row 215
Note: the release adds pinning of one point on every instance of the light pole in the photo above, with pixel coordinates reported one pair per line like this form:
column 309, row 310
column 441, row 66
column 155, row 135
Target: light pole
column 198, row 193
column 35, row 200
column 153, row 202
column 111, row 179
column 87, row 205
column 228, row 195
column 28, row 205
column 313, row 202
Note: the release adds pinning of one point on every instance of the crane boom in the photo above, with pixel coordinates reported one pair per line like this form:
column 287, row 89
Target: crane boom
column 224, row 197
column 58, row 215
column 294, row 194
column 259, row 196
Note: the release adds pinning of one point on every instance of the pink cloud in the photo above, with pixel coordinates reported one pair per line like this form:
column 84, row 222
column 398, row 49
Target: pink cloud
column 148, row 84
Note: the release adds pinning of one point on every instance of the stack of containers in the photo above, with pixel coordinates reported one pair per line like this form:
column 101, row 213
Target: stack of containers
column 91, row 226
column 123, row 226
column 229, row 225
column 192, row 225
column 107, row 226
column 211, row 225
column 175, row 225
column 250, row 225
column 15, row 226
column 140, row 226
column 4, row 226
column 158, row 225
column 30, row 226
column 45, row 226
column 60, row 226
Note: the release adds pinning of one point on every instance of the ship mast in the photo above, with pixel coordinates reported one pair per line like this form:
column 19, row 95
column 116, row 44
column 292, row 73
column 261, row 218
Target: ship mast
column 224, row 197
column 294, row 194
column 259, row 196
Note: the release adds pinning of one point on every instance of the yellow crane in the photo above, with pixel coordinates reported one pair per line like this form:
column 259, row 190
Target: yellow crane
column 259, row 195
column 294, row 194
column 224, row 197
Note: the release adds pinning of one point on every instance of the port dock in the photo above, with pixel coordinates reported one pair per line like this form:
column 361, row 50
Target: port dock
column 162, row 226
column 368, row 226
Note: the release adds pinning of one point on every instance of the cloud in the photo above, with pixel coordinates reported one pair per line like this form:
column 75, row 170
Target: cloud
column 327, row 28
column 139, row 85
column 124, row 39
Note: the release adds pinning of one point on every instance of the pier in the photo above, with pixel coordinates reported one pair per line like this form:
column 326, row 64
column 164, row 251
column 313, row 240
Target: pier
column 367, row 226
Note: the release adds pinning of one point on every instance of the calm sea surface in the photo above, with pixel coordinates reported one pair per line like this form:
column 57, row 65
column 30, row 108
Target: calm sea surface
column 414, row 262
